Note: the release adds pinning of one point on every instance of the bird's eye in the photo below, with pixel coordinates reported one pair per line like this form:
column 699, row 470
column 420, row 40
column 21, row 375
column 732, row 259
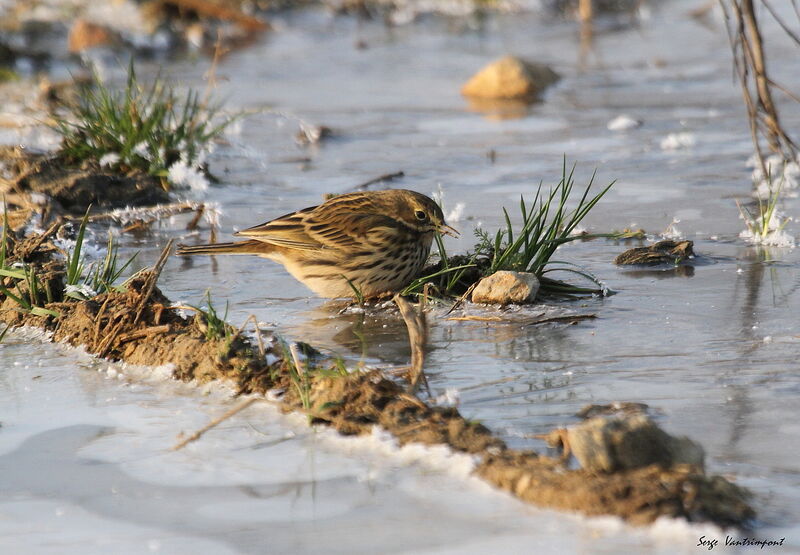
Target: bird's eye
column 421, row 215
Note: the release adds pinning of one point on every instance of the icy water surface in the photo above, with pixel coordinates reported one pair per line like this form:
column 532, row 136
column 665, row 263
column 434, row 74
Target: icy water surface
column 712, row 349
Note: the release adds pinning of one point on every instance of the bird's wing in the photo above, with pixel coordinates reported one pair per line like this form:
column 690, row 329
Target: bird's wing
column 287, row 231
column 327, row 226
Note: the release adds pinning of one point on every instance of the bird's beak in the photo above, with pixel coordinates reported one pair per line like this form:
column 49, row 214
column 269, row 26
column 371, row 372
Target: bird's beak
column 447, row 230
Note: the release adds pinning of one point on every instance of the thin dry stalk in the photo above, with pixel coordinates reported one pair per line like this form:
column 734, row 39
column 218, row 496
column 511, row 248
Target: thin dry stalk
column 152, row 279
column 216, row 422
column 380, row 179
column 585, row 11
column 295, row 356
column 750, row 64
column 192, row 225
column 417, row 326
column 141, row 334
column 252, row 318
column 154, row 213
column 30, row 249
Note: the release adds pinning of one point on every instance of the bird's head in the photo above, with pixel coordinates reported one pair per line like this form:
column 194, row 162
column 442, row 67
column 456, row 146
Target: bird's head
column 421, row 213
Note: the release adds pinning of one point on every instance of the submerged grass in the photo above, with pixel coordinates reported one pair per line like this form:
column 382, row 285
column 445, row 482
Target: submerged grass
column 547, row 223
column 137, row 128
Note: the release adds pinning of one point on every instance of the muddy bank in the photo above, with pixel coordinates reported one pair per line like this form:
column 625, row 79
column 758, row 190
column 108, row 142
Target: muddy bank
column 45, row 182
column 139, row 325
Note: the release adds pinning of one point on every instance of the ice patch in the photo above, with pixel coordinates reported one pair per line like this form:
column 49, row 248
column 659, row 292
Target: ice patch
column 439, row 457
column 456, row 213
column 769, row 233
column 676, row 141
column 774, row 238
column 184, row 174
column 450, row 398
column 83, row 291
column 672, row 232
column 623, row 122
column 781, row 175
column 108, row 160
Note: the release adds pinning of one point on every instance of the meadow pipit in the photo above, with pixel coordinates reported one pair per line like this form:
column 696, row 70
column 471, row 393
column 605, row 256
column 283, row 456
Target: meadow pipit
column 373, row 241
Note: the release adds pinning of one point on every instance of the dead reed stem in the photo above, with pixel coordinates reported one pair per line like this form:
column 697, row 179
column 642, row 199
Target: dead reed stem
column 417, row 326
column 216, row 422
column 750, row 64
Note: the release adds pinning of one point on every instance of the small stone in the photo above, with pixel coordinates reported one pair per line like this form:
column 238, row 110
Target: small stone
column 506, row 287
column 609, row 444
column 85, row 35
column 312, row 134
column 510, row 78
column 663, row 252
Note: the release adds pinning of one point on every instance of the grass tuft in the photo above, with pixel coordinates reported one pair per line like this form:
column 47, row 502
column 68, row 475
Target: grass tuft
column 145, row 129
column 767, row 221
column 547, row 223
column 216, row 328
column 84, row 282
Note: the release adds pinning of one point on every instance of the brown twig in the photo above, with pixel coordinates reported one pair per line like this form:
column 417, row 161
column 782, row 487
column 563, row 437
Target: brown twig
column 30, row 249
column 476, row 318
column 417, row 337
column 783, row 25
column 192, row 225
column 252, row 318
column 750, row 63
column 99, row 319
column 152, row 279
column 574, row 319
column 462, row 298
column 216, row 422
column 141, row 334
column 380, row 178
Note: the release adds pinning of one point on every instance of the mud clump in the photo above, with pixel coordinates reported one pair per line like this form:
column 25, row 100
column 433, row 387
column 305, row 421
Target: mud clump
column 71, row 189
column 609, row 444
column 639, row 496
column 663, row 252
column 353, row 404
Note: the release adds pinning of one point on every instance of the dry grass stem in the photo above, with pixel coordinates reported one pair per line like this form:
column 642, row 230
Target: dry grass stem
column 380, row 179
column 152, row 279
column 417, row 326
column 216, row 422
column 750, row 64
column 141, row 334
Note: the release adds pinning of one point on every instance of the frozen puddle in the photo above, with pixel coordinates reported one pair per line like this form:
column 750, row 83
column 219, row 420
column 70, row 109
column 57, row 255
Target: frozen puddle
column 86, row 467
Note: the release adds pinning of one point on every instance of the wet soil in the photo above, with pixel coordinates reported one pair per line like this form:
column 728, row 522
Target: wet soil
column 58, row 187
column 139, row 326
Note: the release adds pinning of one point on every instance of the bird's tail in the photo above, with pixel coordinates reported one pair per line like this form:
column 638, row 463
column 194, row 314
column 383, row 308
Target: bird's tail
column 252, row 246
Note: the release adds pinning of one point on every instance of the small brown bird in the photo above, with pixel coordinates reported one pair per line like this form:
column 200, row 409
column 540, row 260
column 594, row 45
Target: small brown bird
column 375, row 241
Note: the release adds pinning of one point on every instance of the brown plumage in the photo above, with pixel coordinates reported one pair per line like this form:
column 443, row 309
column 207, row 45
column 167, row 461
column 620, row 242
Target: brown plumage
column 378, row 241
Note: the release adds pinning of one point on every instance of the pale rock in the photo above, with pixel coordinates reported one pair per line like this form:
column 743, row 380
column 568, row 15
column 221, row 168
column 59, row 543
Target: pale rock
column 85, row 35
column 609, row 444
column 506, row 287
column 510, row 78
